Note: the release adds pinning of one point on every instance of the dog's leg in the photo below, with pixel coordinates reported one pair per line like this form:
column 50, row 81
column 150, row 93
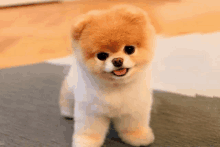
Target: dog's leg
column 66, row 101
column 134, row 130
column 90, row 131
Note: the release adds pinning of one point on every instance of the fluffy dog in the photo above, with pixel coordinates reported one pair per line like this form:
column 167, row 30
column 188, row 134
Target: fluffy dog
column 110, row 77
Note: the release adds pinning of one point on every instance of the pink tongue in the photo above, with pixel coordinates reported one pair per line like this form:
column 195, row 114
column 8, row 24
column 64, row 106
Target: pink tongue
column 120, row 72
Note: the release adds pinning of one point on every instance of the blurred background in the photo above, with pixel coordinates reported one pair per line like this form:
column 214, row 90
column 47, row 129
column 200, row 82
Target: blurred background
column 187, row 53
column 5, row 3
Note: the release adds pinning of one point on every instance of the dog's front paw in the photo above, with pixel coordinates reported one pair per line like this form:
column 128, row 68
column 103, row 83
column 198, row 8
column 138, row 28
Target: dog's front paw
column 93, row 140
column 66, row 112
column 139, row 137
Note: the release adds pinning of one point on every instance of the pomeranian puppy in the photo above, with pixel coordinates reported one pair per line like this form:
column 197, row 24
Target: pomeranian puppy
column 110, row 76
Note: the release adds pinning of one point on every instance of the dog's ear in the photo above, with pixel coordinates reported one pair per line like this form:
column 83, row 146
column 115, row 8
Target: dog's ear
column 81, row 22
column 78, row 26
column 133, row 14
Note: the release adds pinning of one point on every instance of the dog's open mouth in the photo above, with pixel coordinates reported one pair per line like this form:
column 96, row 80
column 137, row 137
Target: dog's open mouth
column 120, row 72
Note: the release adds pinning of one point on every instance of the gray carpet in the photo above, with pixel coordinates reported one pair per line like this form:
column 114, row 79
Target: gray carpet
column 29, row 113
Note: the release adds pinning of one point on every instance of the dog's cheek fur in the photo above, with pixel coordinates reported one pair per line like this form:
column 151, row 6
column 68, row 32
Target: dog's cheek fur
column 94, row 65
column 142, row 57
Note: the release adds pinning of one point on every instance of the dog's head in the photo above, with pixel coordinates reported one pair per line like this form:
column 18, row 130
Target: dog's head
column 114, row 44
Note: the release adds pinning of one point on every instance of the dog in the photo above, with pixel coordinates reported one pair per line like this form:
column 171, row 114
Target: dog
column 110, row 77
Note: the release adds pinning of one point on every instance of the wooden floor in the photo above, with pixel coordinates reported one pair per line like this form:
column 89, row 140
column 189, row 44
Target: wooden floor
column 33, row 34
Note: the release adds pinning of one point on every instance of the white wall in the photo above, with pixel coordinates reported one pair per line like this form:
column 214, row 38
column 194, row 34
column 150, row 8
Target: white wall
column 20, row 2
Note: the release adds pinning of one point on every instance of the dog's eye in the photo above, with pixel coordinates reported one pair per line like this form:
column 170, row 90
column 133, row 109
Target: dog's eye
column 129, row 50
column 102, row 56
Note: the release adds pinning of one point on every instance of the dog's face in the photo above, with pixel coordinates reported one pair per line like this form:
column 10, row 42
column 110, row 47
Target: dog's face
column 114, row 44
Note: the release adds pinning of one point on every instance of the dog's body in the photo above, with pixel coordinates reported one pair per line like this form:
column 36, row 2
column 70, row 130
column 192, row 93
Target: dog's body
column 110, row 76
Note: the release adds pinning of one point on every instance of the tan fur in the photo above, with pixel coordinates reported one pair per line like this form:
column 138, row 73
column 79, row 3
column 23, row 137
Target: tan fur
column 65, row 103
column 100, row 95
column 112, row 29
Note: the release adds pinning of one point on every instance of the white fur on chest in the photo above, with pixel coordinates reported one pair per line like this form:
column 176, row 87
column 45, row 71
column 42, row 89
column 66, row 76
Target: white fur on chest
column 95, row 97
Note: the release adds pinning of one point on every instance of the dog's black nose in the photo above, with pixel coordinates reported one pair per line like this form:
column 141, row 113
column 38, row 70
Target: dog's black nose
column 117, row 62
